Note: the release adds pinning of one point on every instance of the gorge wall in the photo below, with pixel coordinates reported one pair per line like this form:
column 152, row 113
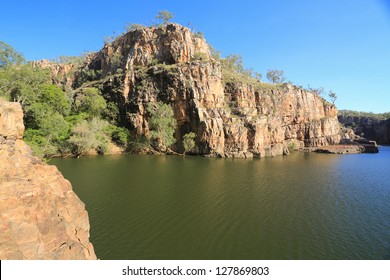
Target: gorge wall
column 369, row 127
column 235, row 119
column 40, row 216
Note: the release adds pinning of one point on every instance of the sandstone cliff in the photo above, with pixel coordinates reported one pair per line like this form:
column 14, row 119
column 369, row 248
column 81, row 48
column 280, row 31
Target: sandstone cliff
column 370, row 127
column 172, row 65
column 61, row 74
column 40, row 216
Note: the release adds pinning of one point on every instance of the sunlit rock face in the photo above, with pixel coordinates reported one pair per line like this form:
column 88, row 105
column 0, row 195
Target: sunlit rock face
column 173, row 65
column 40, row 216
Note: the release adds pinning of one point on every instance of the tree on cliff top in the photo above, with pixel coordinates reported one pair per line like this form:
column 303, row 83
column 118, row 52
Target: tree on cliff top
column 162, row 125
column 333, row 96
column 276, row 76
column 9, row 56
column 319, row 91
column 164, row 16
column 233, row 70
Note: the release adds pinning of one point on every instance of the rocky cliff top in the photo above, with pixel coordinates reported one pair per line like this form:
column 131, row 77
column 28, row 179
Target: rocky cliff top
column 168, row 44
column 40, row 216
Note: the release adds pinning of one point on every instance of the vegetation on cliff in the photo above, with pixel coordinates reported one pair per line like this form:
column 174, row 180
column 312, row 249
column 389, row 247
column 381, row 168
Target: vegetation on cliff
column 189, row 142
column 360, row 114
column 57, row 121
column 366, row 124
column 41, row 216
column 162, row 126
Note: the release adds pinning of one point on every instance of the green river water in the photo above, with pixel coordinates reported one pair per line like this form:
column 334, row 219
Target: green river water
column 304, row 206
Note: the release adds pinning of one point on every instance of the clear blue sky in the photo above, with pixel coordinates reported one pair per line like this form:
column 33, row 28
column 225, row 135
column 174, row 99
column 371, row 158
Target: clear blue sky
column 341, row 45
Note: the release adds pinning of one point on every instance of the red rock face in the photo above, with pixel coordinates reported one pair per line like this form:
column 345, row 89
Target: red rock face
column 40, row 216
column 171, row 44
column 232, row 120
column 61, row 74
column 262, row 123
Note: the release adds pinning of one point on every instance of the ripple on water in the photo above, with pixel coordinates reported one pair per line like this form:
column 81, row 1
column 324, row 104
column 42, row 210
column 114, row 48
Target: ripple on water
column 305, row 206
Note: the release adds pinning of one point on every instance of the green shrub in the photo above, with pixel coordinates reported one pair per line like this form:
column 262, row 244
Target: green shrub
column 138, row 143
column 89, row 135
column 215, row 53
column 119, row 135
column 198, row 34
column 162, row 125
column 133, row 26
column 111, row 112
column 199, row 56
column 90, row 101
column 189, row 142
column 233, row 71
column 40, row 145
column 292, row 147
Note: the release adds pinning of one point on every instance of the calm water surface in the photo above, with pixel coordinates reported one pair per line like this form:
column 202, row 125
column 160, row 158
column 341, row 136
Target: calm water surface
column 305, row 206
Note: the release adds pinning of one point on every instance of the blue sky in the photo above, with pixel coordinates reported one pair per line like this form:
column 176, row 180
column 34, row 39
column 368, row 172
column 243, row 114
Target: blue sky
column 341, row 45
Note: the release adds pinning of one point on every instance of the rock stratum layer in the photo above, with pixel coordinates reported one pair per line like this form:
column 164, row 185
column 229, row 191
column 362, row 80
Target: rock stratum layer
column 40, row 216
column 235, row 119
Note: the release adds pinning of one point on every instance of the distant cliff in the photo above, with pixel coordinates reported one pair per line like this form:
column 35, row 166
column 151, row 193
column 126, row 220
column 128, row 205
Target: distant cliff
column 40, row 216
column 371, row 127
column 230, row 119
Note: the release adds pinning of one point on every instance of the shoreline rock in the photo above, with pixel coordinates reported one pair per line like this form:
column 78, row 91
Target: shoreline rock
column 40, row 215
column 348, row 149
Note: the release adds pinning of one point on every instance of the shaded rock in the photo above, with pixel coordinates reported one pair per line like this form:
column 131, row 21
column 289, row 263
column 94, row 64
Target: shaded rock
column 370, row 127
column 355, row 148
column 340, row 149
column 371, row 149
column 40, row 216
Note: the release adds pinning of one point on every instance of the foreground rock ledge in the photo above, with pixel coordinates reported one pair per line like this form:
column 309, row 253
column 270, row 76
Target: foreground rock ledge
column 40, row 216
